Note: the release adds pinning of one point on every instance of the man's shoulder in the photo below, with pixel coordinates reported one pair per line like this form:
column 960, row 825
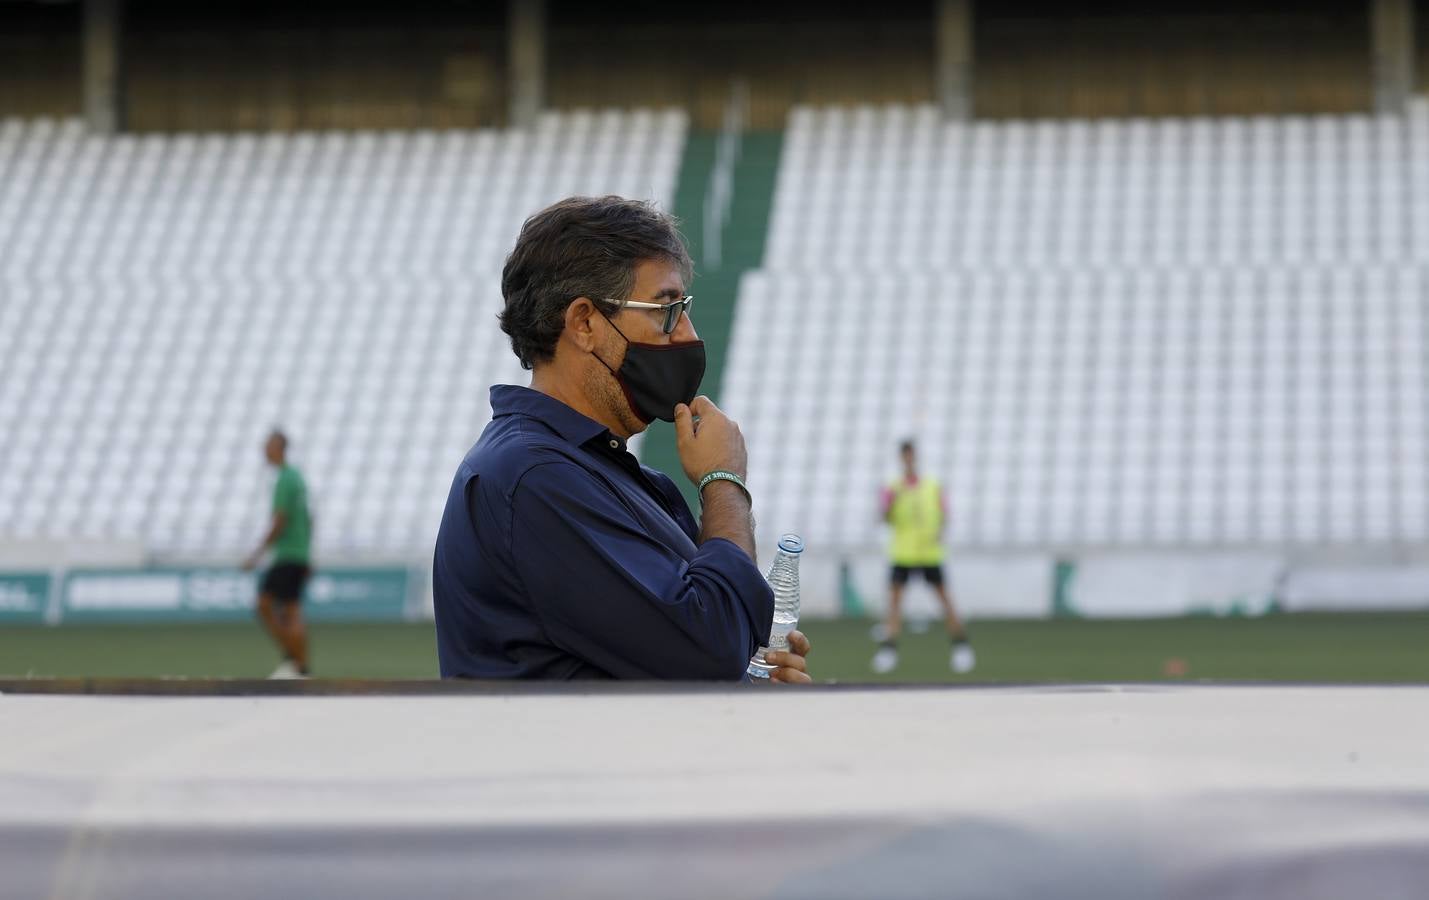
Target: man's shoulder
column 508, row 450
column 903, row 486
column 288, row 481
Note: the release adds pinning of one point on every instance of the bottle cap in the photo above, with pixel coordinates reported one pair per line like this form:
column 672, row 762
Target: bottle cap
column 791, row 543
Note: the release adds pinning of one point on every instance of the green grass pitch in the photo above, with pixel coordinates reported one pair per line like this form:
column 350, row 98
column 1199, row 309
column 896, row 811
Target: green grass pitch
column 1302, row 647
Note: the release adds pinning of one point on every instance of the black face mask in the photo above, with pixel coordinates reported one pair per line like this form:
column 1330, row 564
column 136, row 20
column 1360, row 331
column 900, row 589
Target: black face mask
column 655, row 377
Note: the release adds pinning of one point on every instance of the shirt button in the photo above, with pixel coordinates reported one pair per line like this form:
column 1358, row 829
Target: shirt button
column 615, row 445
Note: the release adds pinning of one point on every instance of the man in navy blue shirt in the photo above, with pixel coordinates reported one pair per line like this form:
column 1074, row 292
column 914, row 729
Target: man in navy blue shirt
column 559, row 555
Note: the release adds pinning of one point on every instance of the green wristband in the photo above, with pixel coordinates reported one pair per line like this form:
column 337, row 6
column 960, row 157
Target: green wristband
column 722, row 475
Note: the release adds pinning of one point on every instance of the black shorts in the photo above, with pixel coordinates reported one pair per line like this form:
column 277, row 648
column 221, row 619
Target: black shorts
column 285, row 581
column 931, row 574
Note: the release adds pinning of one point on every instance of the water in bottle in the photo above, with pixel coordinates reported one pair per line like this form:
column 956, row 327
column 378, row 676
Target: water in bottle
column 783, row 577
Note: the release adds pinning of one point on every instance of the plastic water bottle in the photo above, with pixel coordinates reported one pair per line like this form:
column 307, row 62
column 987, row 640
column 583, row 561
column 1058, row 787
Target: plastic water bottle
column 783, row 577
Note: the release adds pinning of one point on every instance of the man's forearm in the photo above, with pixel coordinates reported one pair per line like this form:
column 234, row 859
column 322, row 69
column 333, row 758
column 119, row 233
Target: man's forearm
column 727, row 515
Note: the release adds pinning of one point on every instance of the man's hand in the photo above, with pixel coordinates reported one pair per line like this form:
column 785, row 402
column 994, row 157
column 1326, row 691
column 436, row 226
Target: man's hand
column 793, row 663
column 713, row 443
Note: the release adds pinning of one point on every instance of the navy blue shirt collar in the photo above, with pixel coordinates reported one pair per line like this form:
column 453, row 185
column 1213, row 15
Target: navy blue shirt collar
column 512, row 399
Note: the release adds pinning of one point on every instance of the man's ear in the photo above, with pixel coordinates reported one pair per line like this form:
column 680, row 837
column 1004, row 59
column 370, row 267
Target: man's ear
column 579, row 325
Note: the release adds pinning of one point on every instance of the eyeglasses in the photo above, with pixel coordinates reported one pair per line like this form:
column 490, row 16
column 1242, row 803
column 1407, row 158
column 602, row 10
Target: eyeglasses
column 672, row 310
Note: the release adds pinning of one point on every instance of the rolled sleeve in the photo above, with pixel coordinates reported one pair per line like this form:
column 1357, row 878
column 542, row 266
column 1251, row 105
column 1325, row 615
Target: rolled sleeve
column 608, row 592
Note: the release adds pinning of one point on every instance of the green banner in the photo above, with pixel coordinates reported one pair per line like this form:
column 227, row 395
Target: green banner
column 215, row 595
column 372, row 594
column 23, row 596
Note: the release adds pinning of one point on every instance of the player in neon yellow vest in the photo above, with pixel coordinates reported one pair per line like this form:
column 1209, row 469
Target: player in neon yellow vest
column 917, row 511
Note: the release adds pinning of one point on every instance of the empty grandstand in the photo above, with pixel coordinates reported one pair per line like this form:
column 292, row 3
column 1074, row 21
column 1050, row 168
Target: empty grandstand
column 900, row 187
column 165, row 299
column 1115, row 335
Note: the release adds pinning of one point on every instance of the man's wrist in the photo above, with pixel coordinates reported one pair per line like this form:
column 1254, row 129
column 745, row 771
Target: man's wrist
column 722, row 477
